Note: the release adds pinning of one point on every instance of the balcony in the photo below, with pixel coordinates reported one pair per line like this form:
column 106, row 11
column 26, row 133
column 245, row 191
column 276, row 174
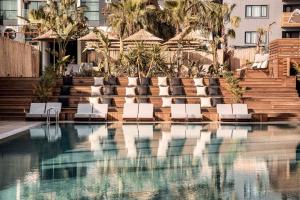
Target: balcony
column 287, row 23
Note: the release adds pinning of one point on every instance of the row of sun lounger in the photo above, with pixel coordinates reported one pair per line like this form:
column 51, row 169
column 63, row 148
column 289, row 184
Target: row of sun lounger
column 233, row 112
column 39, row 110
column 141, row 111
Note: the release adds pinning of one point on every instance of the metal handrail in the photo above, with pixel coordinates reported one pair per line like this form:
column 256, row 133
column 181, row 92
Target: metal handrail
column 48, row 119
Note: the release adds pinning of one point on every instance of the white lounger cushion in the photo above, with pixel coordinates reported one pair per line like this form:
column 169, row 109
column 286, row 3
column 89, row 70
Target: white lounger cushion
column 56, row 108
column 225, row 111
column 84, row 110
column 241, row 111
column 95, row 91
column 98, row 81
column 162, row 81
column 264, row 65
column 205, row 102
column 166, row 101
column 163, row 90
column 201, row 90
column 199, row 82
column 132, row 81
column 130, row 110
column 94, row 100
column 193, row 111
column 36, row 110
column 130, row 91
column 145, row 111
column 178, row 111
column 100, row 111
column 129, row 99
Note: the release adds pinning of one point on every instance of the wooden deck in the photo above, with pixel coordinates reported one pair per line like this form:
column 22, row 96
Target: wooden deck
column 277, row 97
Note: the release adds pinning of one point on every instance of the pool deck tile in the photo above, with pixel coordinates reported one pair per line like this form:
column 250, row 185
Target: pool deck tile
column 10, row 128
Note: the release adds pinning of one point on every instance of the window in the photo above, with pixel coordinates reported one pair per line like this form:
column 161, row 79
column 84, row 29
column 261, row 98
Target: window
column 251, row 37
column 92, row 12
column 257, row 11
column 8, row 9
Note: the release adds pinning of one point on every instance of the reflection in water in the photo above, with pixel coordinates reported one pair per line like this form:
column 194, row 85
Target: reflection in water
column 152, row 161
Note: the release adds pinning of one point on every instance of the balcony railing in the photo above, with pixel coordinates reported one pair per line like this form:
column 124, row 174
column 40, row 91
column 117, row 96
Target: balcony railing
column 287, row 23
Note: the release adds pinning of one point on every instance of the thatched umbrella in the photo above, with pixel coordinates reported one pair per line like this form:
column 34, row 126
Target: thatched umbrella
column 47, row 37
column 143, row 36
column 191, row 39
column 184, row 42
column 92, row 36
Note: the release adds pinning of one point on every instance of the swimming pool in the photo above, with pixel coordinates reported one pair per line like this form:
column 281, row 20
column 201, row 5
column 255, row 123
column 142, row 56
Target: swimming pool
column 152, row 161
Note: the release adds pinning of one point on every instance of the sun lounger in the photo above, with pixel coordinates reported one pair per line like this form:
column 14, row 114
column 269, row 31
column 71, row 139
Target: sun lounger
column 100, row 111
column 130, row 111
column 145, row 111
column 53, row 108
column 84, row 111
column 37, row 133
column 83, row 131
column 193, row 111
column 178, row 111
column 36, row 110
column 225, row 112
column 241, row 111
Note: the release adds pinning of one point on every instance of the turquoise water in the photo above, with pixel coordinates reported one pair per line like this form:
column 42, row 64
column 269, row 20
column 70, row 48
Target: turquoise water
column 152, row 161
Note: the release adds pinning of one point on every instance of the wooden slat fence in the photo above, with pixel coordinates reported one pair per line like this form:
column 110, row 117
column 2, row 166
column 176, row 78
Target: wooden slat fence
column 282, row 51
column 241, row 56
column 18, row 59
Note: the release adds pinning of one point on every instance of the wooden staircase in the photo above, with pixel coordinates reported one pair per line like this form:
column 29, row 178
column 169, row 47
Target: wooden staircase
column 16, row 94
column 277, row 97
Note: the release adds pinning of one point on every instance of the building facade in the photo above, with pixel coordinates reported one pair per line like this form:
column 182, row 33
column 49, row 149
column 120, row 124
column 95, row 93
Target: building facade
column 272, row 15
column 11, row 24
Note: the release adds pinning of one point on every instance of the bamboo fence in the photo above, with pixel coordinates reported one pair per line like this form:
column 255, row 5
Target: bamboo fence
column 18, row 59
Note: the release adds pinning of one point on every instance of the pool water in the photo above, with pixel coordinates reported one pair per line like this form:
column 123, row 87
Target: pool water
column 152, row 161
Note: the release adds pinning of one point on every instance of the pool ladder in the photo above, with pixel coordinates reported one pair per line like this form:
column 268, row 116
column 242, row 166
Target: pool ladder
column 48, row 119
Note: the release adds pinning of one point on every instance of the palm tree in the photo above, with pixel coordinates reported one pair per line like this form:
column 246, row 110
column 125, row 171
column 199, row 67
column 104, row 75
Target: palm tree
column 261, row 33
column 127, row 17
column 221, row 26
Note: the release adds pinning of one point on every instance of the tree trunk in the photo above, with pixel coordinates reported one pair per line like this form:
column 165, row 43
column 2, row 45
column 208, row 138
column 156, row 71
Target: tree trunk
column 121, row 46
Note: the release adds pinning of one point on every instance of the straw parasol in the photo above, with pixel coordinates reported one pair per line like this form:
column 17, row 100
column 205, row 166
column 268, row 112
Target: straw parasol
column 143, row 36
column 92, row 36
column 48, row 36
column 191, row 39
